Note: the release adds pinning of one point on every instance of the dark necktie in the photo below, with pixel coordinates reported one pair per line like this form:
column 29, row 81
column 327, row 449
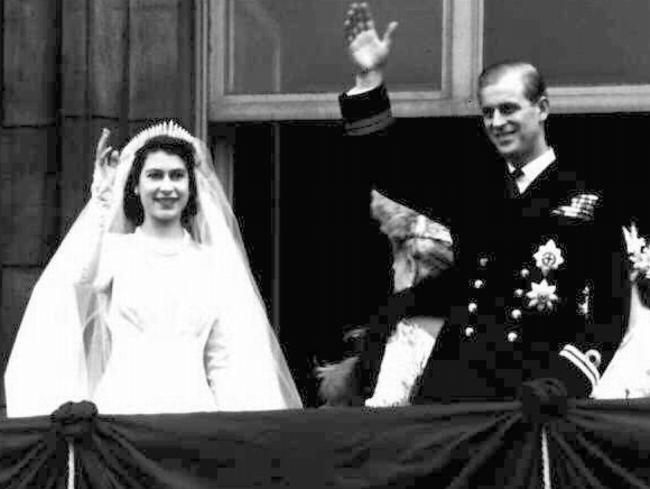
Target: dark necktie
column 511, row 183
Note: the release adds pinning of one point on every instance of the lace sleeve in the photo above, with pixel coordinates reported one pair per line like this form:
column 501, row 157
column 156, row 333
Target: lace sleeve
column 405, row 358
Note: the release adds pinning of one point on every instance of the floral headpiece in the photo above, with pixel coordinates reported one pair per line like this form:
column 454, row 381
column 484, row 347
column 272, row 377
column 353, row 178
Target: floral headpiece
column 402, row 223
column 638, row 252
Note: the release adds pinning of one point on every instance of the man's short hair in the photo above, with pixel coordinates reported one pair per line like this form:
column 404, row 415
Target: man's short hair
column 534, row 84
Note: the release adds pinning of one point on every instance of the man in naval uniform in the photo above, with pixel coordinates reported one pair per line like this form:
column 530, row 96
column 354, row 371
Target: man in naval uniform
column 533, row 294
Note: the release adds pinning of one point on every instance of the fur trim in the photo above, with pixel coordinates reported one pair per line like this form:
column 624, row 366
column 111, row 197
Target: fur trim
column 339, row 383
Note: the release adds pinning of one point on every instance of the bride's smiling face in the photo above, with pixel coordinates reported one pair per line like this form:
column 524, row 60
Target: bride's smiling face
column 163, row 187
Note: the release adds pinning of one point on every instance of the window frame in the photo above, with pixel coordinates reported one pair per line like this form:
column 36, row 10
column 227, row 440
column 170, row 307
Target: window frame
column 462, row 48
column 318, row 106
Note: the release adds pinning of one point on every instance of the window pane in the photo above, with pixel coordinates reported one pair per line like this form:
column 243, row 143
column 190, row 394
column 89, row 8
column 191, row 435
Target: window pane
column 297, row 46
column 588, row 42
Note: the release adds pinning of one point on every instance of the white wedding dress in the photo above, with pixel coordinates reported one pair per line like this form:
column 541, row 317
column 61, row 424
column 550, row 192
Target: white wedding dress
column 174, row 337
column 166, row 345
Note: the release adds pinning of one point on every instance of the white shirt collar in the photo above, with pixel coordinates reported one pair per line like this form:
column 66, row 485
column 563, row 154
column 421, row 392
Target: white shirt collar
column 533, row 169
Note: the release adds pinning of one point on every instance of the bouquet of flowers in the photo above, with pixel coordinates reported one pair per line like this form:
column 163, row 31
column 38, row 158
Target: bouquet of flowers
column 639, row 257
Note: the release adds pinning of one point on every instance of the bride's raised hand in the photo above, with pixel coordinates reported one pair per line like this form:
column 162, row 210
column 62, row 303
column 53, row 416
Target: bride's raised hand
column 106, row 159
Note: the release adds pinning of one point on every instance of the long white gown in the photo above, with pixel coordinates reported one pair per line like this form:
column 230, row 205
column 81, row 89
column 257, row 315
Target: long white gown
column 166, row 345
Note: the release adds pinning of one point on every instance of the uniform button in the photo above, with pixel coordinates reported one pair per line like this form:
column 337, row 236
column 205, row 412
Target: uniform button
column 524, row 272
column 483, row 261
column 469, row 331
column 512, row 336
column 519, row 292
column 472, row 307
column 478, row 284
column 515, row 314
column 594, row 357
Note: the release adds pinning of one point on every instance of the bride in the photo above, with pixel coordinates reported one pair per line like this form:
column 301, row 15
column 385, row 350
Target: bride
column 149, row 305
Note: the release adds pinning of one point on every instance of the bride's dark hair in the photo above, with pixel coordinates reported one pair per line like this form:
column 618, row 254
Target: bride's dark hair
column 184, row 150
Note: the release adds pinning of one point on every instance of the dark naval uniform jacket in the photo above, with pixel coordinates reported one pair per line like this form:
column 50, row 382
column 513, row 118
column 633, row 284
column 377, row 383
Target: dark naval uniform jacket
column 535, row 292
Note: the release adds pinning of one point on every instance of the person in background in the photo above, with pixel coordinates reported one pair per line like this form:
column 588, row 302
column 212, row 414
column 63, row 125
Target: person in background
column 422, row 250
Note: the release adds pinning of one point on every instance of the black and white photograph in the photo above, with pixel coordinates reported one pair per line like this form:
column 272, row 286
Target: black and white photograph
column 325, row 244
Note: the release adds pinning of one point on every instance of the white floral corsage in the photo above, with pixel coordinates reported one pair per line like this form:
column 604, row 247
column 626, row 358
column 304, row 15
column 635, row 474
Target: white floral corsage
column 542, row 296
column 548, row 257
column 638, row 252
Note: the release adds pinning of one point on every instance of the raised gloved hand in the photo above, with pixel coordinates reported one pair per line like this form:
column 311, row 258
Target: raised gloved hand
column 106, row 160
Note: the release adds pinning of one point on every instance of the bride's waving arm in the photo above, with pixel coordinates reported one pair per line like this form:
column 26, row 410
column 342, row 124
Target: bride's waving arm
column 97, row 211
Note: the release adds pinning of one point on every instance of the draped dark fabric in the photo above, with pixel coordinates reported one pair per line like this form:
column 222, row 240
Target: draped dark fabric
column 594, row 444
column 31, row 455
